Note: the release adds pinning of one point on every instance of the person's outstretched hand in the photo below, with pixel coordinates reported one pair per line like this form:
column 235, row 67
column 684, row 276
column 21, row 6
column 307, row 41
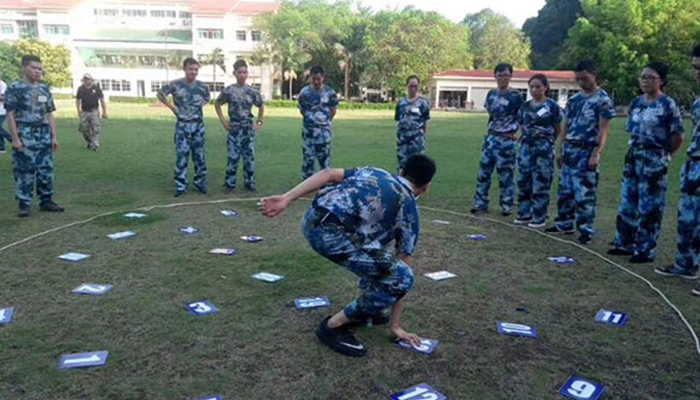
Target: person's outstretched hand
column 409, row 337
column 273, row 206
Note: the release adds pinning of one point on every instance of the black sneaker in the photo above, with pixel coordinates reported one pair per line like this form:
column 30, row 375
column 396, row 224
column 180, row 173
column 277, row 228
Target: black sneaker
column 251, row 188
column 620, row 252
column 641, row 258
column 50, row 206
column 24, row 211
column 672, row 271
column 695, row 292
column 476, row 211
column 179, row 193
column 506, row 213
column 522, row 221
column 201, row 190
column 555, row 230
column 584, row 239
column 340, row 339
column 230, row 189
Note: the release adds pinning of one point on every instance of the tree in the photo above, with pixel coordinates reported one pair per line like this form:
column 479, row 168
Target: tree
column 56, row 60
column 353, row 48
column 494, row 39
column 216, row 59
column 623, row 35
column 9, row 62
column 549, row 30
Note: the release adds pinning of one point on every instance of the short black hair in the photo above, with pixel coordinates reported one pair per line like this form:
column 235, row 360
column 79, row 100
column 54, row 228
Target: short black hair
column 239, row 64
column 413, row 77
column 661, row 69
column 30, row 59
column 587, row 66
column 502, row 67
column 189, row 61
column 318, row 70
column 419, row 169
column 696, row 50
column 542, row 78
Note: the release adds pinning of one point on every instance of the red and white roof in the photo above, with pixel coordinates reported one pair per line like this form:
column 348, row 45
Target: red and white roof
column 247, row 8
column 518, row 75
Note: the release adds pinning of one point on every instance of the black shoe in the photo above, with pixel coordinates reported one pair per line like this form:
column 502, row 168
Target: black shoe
column 641, row 258
column 584, row 239
column 555, row 230
column 672, row 271
column 179, row 193
column 506, row 213
column 251, row 188
column 200, row 190
column 340, row 339
column 50, row 206
column 230, row 190
column 620, row 252
column 24, row 211
column 476, row 211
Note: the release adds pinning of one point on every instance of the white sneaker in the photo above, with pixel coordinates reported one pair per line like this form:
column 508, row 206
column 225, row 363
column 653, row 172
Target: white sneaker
column 522, row 221
column 537, row 225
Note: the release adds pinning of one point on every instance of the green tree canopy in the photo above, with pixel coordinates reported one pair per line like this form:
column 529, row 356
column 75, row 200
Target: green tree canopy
column 549, row 30
column 56, row 61
column 494, row 39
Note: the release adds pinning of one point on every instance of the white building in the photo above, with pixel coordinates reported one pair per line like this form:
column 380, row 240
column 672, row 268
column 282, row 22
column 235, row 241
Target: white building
column 132, row 47
column 463, row 89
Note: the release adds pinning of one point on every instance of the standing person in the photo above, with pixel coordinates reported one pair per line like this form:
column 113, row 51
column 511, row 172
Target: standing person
column 4, row 135
column 413, row 114
column 241, row 131
column 541, row 124
column 688, row 244
column 498, row 150
column 30, row 108
column 317, row 104
column 86, row 101
column 354, row 219
column 656, row 129
column 586, row 128
column 189, row 96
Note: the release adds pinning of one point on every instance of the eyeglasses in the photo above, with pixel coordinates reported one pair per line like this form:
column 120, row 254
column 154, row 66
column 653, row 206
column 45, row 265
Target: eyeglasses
column 648, row 78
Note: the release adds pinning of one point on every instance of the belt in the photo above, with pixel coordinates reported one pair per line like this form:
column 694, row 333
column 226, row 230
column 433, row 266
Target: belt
column 190, row 121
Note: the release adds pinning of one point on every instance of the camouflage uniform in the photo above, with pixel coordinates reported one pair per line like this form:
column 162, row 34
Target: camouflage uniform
column 578, row 185
column 34, row 165
column 353, row 224
column 652, row 126
column 536, row 158
column 413, row 117
column 316, row 132
column 499, row 148
column 241, row 136
column 189, row 131
column 689, row 208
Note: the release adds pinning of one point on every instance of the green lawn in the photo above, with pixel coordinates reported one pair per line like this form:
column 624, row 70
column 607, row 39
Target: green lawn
column 259, row 346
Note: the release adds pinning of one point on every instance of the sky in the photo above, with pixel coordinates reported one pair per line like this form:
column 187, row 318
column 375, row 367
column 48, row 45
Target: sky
column 516, row 10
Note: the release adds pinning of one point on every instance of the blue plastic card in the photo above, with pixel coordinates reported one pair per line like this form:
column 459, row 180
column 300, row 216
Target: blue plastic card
column 92, row 289
column 73, row 257
column 508, row 328
column 121, row 235
column 478, row 237
column 428, row 346
column 189, row 230
column 6, row 315
column 611, row 317
column 581, row 389
column 83, row 360
column 229, row 213
column 202, row 307
column 267, row 277
column 419, row 392
column 312, row 302
column 226, row 252
column 135, row 215
column 562, row 260
column 252, row 238
column 217, row 397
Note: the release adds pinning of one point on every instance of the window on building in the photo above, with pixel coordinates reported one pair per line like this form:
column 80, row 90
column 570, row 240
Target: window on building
column 240, row 36
column 157, row 85
column 257, row 86
column 215, row 88
column 132, row 13
column 7, row 29
column 553, row 94
column 126, row 86
column 116, row 85
column 106, row 12
column 163, row 14
column 28, row 29
column 57, row 30
column 523, row 92
column 185, row 15
column 210, row 33
column 104, row 84
column 255, row 36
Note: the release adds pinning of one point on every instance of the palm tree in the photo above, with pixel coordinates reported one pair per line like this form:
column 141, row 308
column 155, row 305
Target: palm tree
column 352, row 50
column 215, row 58
column 293, row 59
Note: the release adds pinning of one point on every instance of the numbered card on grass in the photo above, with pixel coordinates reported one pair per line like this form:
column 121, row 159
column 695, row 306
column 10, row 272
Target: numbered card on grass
column 6, row 315
column 427, row 346
column 75, row 257
column 267, row 277
column 581, row 389
column 226, row 252
column 121, row 235
column 202, row 307
column 229, row 213
column 135, row 215
column 441, row 222
column 92, row 289
column 440, row 275
column 509, row 328
column 252, row 238
column 562, row 260
column 189, row 230
column 312, row 302
column 419, row 392
column 217, row 397
column 611, row 317
column 83, row 360
column 478, row 237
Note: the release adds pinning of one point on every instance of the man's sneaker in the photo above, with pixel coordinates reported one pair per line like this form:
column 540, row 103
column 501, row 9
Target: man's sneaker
column 3, row 151
column 201, row 190
column 476, row 211
column 179, row 193
column 672, row 271
column 251, row 188
column 522, row 221
column 24, row 211
column 506, row 213
column 50, row 206
column 537, row 225
column 620, row 252
column 584, row 239
column 340, row 339
column 695, row 292
column 641, row 258
column 554, row 230
column 230, row 190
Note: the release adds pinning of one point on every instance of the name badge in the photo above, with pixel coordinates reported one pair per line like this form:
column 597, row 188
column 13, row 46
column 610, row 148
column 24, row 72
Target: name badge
column 542, row 112
column 415, row 110
column 42, row 99
column 503, row 102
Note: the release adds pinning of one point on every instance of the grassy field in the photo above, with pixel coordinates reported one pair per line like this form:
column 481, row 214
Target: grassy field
column 259, row 346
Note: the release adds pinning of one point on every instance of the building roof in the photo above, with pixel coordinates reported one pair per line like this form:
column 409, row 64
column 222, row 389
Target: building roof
column 248, row 8
column 32, row 4
column 518, row 74
column 255, row 8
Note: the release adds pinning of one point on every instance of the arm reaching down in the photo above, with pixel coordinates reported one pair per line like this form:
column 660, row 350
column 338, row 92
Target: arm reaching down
column 275, row 205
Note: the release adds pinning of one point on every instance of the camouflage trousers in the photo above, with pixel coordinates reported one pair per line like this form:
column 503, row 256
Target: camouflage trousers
column 189, row 140
column 498, row 152
column 316, row 146
column 642, row 201
column 90, row 128
column 688, row 241
column 34, row 165
column 241, row 142
column 577, row 189
column 384, row 278
column 535, row 175
column 409, row 143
